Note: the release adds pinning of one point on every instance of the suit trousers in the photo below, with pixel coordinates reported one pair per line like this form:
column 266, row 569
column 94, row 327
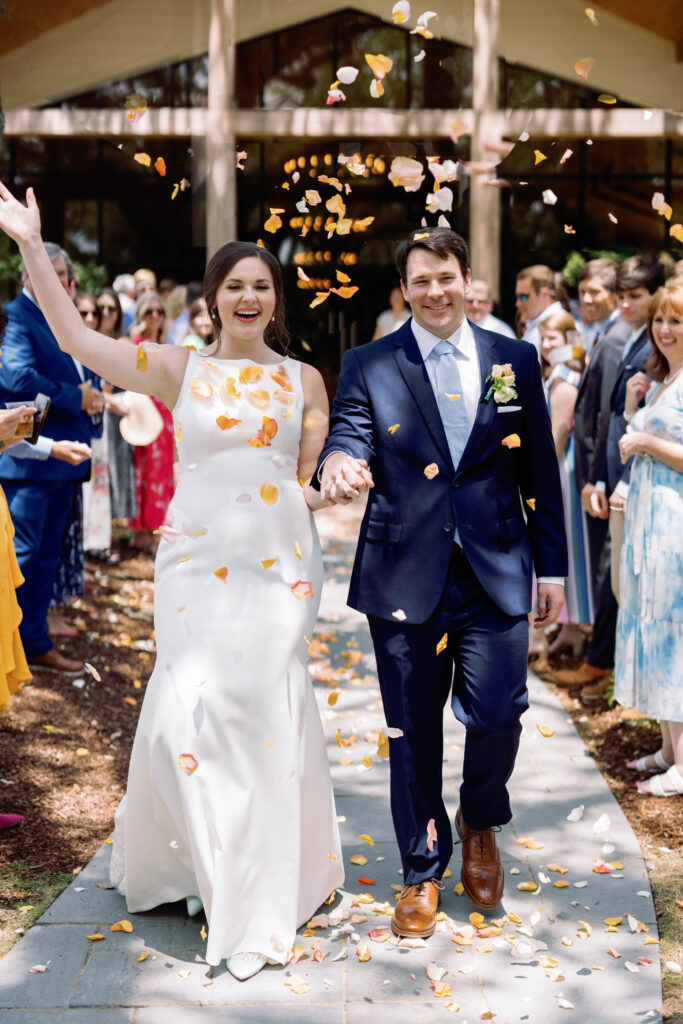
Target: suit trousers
column 483, row 669
column 40, row 511
column 600, row 652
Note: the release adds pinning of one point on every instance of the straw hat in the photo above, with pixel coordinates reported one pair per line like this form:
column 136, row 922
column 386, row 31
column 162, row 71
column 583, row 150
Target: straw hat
column 142, row 424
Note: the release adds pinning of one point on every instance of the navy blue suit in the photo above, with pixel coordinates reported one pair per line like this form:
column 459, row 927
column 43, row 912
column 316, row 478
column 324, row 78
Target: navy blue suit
column 40, row 494
column 416, row 585
column 615, row 470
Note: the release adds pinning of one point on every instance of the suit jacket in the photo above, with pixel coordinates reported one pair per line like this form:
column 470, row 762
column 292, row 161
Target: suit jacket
column 32, row 361
column 592, row 410
column 406, row 537
column 614, row 470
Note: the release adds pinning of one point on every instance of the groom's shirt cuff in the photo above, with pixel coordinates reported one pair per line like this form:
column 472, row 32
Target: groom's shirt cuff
column 551, row 579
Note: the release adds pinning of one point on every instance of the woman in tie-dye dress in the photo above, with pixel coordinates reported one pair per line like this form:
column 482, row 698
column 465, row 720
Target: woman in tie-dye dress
column 649, row 651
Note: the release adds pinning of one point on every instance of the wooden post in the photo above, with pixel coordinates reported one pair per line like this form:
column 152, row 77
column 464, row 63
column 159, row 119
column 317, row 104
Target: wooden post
column 485, row 219
column 221, row 175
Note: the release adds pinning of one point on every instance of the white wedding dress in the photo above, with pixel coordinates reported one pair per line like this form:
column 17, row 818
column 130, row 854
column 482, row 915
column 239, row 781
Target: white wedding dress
column 229, row 795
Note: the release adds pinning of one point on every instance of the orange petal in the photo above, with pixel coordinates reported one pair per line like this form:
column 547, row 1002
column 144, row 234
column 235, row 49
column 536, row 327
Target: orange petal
column 250, row 374
column 267, row 562
column 221, row 573
column 273, row 224
column 188, row 763
column 260, row 399
column 512, row 441
column 545, row 730
column 141, row 360
column 583, row 66
column 143, row 158
column 442, row 644
column 226, row 423
column 431, row 470
column 230, row 388
column 201, row 388
column 379, row 64
column 392, row 430
column 345, row 292
column 269, row 493
column 160, row 166
column 302, row 589
column 122, row 926
column 531, row 502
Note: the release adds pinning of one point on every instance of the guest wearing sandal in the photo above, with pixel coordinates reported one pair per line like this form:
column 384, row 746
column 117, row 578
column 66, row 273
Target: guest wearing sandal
column 649, row 651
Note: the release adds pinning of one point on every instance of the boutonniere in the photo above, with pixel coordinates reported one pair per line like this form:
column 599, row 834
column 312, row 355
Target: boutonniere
column 502, row 380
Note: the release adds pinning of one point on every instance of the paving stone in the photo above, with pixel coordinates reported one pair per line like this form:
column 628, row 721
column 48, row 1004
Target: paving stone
column 64, row 946
column 62, row 1016
column 261, row 1014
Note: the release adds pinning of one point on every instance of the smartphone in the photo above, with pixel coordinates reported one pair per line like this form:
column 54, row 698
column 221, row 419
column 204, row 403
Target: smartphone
column 25, row 428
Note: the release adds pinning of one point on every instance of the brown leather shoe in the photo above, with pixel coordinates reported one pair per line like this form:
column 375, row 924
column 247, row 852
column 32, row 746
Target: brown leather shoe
column 482, row 871
column 53, row 661
column 415, row 915
column 580, row 676
column 596, row 691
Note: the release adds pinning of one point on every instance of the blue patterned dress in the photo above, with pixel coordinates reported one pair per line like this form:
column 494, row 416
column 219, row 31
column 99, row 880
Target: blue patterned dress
column 649, row 656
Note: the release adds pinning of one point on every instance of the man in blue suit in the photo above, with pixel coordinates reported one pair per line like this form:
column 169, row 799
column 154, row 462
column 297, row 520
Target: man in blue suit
column 448, row 427
column 40, row 493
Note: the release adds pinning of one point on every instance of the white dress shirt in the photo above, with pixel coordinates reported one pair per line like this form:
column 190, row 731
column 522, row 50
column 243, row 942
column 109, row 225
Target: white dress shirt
column 498, row 326
column 532, row 331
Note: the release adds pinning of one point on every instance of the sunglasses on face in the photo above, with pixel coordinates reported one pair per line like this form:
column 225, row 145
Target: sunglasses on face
column 523, row 296
column 107, row 309
column 88, row 312
column 153, row 312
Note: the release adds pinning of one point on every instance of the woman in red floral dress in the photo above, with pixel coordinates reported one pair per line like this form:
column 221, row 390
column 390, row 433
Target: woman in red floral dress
column 154, row 481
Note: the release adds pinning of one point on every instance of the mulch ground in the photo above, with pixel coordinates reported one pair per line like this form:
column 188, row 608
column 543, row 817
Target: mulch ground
column 65, row 743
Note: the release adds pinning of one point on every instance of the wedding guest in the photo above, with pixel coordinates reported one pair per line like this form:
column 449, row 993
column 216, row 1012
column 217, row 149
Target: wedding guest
column 153, row 462
column 649, row 651
column 120, row 453
column 562, row 362
column 479, row 309
column 392, row 318
column 609, row 332
column 200, row 330
column 96, row 499
column 229, row 801
column 638, row 278
column 535, row 300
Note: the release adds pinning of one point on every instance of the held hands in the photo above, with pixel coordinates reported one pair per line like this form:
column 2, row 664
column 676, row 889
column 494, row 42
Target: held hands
column 10, row 419
column 594, row 502
column 550, row 602
column 637, row 387
column 20, row 222
column 344, row 478
column 92, row 401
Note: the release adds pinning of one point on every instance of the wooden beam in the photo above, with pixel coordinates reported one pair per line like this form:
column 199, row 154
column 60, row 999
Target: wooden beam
column 484, row 213
column 221, row 182
column 308, row 123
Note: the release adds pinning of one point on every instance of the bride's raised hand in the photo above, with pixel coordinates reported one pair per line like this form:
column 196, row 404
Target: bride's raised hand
column 18, row 221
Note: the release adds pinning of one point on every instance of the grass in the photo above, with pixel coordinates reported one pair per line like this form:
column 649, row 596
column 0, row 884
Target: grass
column 21, row 886
column 665, row 879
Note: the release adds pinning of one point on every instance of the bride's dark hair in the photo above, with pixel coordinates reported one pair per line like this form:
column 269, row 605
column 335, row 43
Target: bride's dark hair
column 220, row 265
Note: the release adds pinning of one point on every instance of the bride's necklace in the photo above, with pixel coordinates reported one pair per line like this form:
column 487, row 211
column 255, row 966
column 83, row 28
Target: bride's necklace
column 672, row 376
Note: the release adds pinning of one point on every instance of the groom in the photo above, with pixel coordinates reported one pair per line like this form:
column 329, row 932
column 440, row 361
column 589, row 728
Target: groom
column 464, row 506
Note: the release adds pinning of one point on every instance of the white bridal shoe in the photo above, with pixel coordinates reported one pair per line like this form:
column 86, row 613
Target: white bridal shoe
column 246, row 965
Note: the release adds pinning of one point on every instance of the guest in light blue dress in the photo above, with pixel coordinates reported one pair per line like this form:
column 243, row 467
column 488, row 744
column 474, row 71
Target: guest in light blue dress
column 562, row 364
column 649, row 654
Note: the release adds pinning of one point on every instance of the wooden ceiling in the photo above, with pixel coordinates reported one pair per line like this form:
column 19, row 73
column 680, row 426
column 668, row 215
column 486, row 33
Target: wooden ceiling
column 24, row 20
column 664, row 17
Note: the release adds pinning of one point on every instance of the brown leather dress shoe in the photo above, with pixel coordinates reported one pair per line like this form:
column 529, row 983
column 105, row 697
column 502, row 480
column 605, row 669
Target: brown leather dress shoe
column 53, row 661
column 580, row 676
column 415, row 915
column 482, row 871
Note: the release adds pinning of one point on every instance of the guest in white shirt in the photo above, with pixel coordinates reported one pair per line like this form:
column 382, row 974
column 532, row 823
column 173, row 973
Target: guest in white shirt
column 479, row 309
column 536, row 300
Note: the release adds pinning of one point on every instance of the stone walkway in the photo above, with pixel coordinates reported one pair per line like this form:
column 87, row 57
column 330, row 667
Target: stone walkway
column 547, row 958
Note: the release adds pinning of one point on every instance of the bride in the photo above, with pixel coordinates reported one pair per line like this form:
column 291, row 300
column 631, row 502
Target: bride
column 229, row 801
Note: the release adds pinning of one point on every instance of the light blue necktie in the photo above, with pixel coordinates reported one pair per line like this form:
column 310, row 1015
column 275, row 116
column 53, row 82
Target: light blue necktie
column 453, row 412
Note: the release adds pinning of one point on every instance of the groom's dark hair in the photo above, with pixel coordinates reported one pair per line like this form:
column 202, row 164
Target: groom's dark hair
column 443, row 242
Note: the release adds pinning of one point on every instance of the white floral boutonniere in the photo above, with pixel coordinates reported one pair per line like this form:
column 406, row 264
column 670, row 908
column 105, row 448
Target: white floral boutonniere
column 502, row 380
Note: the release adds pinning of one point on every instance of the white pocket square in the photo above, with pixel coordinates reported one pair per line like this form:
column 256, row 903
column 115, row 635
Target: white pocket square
column 509, row 408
